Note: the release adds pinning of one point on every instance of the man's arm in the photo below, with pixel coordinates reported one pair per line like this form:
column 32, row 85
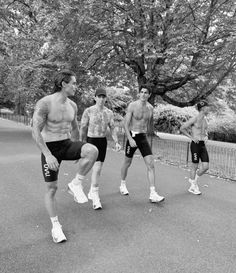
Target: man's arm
column 150, row 127
column 39, row 121
column 114, row 132
column 184, row 128
column 74, row 125
column 127, row 121
column 84, row 125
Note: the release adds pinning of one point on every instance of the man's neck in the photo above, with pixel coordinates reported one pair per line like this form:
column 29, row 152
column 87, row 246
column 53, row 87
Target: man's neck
column 100, row 107
column 61, row 97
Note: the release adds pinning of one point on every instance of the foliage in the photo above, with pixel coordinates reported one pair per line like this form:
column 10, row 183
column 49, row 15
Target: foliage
column 168, row 118
column 182, row 50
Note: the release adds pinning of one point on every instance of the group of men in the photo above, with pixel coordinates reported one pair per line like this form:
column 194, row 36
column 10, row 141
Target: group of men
column 56, row 132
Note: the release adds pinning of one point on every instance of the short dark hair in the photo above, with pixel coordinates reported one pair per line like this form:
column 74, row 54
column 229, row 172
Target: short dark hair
column 144, row 87
column 201, row 104
column 62, row 76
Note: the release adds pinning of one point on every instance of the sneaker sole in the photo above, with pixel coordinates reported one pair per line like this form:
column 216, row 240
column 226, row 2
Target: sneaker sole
column 152, row 201
column 75, row 199
column 194, row 192
column 57, row 242
column 124, row 193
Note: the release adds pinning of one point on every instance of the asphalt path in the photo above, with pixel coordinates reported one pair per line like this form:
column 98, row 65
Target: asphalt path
column 184, row 234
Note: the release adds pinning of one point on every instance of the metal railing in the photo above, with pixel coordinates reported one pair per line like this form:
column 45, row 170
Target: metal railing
column 222, row 159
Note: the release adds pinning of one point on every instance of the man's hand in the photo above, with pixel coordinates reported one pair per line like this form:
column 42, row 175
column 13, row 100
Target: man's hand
column 52, row 162
column 118, row 147
column 132, row 143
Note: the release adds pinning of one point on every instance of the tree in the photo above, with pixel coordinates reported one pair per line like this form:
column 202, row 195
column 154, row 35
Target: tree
column 180, row 50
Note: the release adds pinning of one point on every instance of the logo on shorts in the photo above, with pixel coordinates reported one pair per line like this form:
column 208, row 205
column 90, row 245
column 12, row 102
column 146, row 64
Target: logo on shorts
column 46, row 170
column 195, row 156
column 128, row 150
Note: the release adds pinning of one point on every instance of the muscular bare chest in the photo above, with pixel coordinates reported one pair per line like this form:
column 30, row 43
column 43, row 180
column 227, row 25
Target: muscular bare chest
column 61, row 113
column 140, row 114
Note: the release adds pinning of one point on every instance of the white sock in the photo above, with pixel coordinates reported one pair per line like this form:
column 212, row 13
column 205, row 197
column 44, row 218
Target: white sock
column 196, row 177
column 55, row 221
column 93, row 189
column 152, row 189
column 78, row 179
column 123, row 182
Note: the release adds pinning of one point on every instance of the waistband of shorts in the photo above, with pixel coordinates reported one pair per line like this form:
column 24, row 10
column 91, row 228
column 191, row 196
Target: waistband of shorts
column 57, row 142
column 136, row 134
column 96, row 137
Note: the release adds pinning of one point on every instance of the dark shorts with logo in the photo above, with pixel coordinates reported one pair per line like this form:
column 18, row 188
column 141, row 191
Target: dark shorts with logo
column 199, row 151
column 101, row 144
column 62, row 150
column 142, row 145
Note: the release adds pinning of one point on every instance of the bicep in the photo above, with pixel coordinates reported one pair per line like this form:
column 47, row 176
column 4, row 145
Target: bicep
column 85, row 119
column 128, row 116
column 40, row 115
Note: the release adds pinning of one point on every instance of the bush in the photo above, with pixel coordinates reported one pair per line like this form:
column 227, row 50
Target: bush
column 169, row 118
column 223, row 128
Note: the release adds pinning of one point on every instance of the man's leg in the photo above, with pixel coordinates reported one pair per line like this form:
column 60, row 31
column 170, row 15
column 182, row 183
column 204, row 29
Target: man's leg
column 204, row 168
column 124, row 171
column 89, row 154
column 193, row 179
column 154, row 197
column 94, row 190
column 50, row 203
column 193, row 170
column 88, row 157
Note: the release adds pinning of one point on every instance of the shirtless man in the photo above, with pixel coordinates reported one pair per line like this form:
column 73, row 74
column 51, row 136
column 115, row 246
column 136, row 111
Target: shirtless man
column 138, row 119
column 54, row 125
column 94, row 124
column 198, row 137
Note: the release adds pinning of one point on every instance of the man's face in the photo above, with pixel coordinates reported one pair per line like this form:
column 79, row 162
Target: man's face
column 144, row 94
column 100, row 99
column 71, row 86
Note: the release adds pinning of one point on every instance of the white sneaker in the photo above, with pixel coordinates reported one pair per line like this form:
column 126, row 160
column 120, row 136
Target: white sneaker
column 194, row 189
column 94, row 196
column 123, row 189
column 57, row 234
column 155, row 197
column 77, row 192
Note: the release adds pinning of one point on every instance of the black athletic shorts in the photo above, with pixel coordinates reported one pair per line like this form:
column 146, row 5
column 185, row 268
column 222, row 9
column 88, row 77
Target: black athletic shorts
column 101, row 144
column 62, row 150
column 199, row 151
column 142, row 145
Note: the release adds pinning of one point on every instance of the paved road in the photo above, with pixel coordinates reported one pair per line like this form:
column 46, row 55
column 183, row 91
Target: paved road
column 185, row 234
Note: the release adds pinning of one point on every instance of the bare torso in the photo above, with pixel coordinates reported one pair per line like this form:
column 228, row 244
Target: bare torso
column 199, row 128
column 60, row 114
column 141, row 115
column 97, row 121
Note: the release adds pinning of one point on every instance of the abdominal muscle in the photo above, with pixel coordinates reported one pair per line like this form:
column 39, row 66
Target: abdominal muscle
column 56, row 132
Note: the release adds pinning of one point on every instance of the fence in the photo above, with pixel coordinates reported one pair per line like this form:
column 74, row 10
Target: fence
column 222, row 159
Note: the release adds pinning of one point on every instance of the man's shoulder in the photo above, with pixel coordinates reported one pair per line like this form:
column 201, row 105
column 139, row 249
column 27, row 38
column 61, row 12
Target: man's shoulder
column 149, row 105
column 72, row 103
column 133, row 104
column 44, row 100
column 109, row 111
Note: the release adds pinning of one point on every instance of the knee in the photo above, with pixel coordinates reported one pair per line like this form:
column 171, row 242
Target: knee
column 51, row 190
column 150, row 166
column 206, row 167
column 127, row 163
column 89, row 151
